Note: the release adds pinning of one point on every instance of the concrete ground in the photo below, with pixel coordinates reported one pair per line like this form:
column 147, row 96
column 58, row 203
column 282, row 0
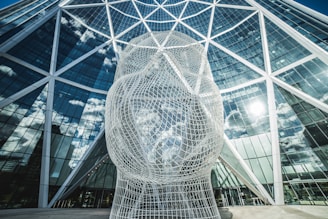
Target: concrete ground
column 244, row 212
column 280, row 212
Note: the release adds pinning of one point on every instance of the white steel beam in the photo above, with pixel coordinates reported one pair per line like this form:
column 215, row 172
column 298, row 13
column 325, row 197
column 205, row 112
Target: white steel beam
column 293, row 65
column 23, row 92
column 243, row 85
column 25, row 64
column 300, row 94
column 11, row 42
column 111, row 29
column 306, row 43
column 273, row 119
column 70, row 177
column 242, row 179
column 249, row 172
column 81, row 58
column 45, row 159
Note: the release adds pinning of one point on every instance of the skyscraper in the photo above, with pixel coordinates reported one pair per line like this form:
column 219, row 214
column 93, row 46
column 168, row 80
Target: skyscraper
column 58, row 59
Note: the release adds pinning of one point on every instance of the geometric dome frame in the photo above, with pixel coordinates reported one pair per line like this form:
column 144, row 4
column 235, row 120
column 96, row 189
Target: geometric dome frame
column 268, row 58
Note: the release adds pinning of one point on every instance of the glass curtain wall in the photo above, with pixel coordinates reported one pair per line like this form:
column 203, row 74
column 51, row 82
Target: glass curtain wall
column 58, row 60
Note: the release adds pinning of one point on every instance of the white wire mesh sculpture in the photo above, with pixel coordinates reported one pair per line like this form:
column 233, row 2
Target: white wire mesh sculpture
column 164, row 129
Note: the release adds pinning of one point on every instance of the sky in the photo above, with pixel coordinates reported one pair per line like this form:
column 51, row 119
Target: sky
column 4, row 3
column 318, row 5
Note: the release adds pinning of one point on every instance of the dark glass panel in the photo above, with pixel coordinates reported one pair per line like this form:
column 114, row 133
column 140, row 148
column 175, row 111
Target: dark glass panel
column 13, row 77
column 298, row 108
column 21, row 147
column 126, row 7
column 317, row 134
column 176, row 10
column 225, row 18
column 199, row 22
column 245, row 40
column 96, row 71
column 155, row 26
column 94, row 17
column 284, row 50
column 78, row 117
column 227, row 71
column 160, row 15
column 75, row 40
column 120, row 21
column 235, row 2
column 37, row 47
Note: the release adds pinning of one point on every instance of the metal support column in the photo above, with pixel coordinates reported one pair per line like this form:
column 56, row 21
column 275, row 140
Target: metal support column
column 275, row 146
column 45, row 161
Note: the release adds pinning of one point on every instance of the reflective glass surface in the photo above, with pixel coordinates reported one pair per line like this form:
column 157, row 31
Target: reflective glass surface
column 284, row 50
column 96, row 71
column 225, row 18
column 85, row 53
column 228, row 71
column 246, row 111
column 23, row 14
column 21, row 137
column 245, row 40
column 37, row 47
column 304, row 145
column 310, row 77
column 13, row 77
column 309, row 26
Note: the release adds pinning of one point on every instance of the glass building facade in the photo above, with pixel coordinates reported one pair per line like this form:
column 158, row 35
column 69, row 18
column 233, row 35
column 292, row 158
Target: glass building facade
column 269, row 58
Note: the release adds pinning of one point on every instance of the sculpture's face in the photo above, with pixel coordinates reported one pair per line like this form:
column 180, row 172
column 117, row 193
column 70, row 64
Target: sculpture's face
column 162, row 126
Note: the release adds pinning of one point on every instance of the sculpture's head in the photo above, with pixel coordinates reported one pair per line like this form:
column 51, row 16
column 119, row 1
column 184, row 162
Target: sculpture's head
column 164, row 118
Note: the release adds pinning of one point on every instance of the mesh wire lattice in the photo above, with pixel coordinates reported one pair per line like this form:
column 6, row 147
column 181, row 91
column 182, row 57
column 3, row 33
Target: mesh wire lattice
column 164, row 129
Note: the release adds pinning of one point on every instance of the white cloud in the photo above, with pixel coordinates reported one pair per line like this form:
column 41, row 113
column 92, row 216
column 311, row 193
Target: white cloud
column 75, row 23
column 102, row 51
column 92, row 116
column 289, row 118
column 108, row 62
column 87, row 35
column 24, row 138
column 78, row 33
column 64, row 21
column 283, row 108
column 7, row 70
column 76, row 102
column 78, row 152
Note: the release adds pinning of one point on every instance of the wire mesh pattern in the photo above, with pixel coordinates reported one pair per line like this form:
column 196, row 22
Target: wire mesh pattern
column 164, row 129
